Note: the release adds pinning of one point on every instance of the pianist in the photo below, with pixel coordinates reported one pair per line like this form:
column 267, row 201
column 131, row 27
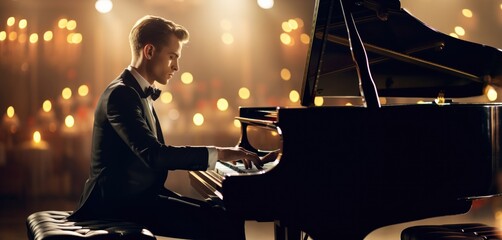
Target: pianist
column 130, row 159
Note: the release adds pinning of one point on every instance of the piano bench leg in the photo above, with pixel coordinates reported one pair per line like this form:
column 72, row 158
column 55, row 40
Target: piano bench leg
column 282, row 232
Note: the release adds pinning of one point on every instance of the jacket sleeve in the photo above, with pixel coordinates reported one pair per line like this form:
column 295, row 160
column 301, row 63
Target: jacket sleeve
column 125, row 113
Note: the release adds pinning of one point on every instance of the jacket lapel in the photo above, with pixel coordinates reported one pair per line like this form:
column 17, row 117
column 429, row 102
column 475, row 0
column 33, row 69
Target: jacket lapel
column 130, row 81
column 160, row 137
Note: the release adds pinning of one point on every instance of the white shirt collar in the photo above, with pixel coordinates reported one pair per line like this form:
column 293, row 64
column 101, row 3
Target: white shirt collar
column 143, row 83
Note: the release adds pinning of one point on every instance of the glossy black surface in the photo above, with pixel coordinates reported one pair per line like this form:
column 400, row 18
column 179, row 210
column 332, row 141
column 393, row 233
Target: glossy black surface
column 346, row 171
column 407, row 58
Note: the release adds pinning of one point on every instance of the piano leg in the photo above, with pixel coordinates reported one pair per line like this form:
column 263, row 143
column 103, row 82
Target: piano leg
column 282, row 232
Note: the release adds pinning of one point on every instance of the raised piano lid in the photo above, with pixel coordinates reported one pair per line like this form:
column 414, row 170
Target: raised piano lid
column 407, row 58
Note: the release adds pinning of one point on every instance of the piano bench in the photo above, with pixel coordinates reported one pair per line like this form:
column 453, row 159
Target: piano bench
column 54, row 225
column 467, row 231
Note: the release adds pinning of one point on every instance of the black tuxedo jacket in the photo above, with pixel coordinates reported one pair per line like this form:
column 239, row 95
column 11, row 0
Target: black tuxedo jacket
column 129, row 164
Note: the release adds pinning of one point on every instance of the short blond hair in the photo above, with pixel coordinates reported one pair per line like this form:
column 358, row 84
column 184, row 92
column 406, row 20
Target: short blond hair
column 156, row 31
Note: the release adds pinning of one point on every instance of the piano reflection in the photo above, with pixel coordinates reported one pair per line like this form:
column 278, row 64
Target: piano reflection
column 344, row 171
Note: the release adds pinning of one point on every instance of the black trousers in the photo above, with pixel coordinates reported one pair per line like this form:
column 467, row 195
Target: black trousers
column 172, row 215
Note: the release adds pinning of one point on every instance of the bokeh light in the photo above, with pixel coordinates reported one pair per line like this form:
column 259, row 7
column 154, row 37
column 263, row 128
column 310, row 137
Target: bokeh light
column 265, row 4
column 222, row 104
column 10, row 112
column 294, row 96
column 166, row 97
column 48, row 36
column 467, row 13
column 459, row 30
column 103, row 6
column 37, row 137
column 83, row 90
column 47, row 106
column 285, row 74
column 198, row 119
column 244, row 93
column 66, row 93
column 69, row 121
column 186, row 78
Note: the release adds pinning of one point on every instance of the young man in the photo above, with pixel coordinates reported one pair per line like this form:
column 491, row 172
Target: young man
column 130, row 159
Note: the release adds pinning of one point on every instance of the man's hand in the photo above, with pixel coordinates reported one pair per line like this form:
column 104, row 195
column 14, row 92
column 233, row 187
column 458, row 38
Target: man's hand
column 270, row 157
column 232, row 154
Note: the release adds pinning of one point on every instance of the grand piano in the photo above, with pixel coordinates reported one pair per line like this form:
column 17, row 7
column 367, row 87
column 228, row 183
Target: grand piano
column 344, row 171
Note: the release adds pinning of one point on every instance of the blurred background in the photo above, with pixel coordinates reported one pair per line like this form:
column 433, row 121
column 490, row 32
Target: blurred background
column 56, row 57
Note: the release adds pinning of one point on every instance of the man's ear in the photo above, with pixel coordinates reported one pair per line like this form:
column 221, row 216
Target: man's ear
column 148, row 51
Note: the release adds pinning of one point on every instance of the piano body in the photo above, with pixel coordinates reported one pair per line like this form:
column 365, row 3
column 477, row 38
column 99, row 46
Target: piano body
column 344, row 171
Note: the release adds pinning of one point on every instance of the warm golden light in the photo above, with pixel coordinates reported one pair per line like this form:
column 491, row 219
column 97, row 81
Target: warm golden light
column 294, row 96
column 66, row 93
column 467, row 13
column 10, row 112
column 285, row 74
column 37, row 137
column 237, row 123
column 265, row 4
column 348, row 104
column 453, row 35
column 62, row 23
column 48, row 36
column 459, row 30
column 69, row 121
column 47, row 106
column 71, row 25
column 227, row 38
column 285, row 27
column 11, row 21
column 293, row 24
column 166, row 97
column 23, row 23
column 244, row 93
column 103, row 6
column 318, row 101
column 3, row 36
column 74, row 38
column 22, row 38
column 12, row 36
column 491, row 93
column 83, row 90
column 300, row 22
column 69, row 38
column 33, row 38
column 186, row 78
column 222, row 104
column 286, row 39
column 198, row 119
column 305, row 38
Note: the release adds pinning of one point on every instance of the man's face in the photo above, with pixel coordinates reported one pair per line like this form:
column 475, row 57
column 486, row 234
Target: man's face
column 164, row 62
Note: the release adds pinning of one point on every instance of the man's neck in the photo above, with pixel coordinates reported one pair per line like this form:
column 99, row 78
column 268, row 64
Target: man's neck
column 142, row 71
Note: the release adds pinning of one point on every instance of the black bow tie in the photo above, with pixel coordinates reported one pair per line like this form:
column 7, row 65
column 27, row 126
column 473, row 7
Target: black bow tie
column 154, row 93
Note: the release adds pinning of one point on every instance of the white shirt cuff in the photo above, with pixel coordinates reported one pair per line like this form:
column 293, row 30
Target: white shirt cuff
column 212, row 158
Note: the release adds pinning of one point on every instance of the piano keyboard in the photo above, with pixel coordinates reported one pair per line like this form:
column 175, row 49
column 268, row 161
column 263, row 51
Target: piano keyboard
column 227, row 168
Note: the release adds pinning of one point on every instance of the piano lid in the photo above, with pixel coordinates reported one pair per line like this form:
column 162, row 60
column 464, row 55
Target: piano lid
column 406, row 57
